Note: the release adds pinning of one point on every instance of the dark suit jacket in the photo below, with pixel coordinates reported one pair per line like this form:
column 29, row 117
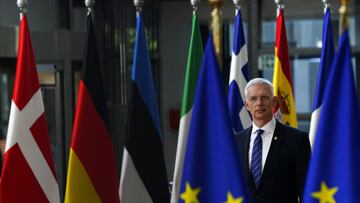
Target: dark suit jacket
column 284, row 174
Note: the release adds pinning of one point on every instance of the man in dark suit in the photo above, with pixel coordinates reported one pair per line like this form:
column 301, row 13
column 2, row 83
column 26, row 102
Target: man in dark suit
column 275, row 156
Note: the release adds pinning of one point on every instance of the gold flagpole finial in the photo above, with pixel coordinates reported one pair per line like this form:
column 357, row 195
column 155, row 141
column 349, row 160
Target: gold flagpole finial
column 216, row 27
column 344, row 15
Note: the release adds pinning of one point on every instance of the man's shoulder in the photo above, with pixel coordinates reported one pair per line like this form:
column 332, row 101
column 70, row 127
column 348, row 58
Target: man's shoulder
column 281, row 128
column 244, row 135
column 244, row 132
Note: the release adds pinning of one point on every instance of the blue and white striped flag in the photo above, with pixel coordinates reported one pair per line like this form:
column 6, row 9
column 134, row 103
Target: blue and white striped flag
column 327, row 55
column 239, row 76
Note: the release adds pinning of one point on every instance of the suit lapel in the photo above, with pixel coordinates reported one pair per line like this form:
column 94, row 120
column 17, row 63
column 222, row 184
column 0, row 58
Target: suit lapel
column 275, row 143
column 245, row 151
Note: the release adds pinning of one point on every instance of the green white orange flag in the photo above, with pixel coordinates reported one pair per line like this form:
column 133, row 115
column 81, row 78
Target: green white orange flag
column 191, row 78
column 92, row 174
column 285, row 108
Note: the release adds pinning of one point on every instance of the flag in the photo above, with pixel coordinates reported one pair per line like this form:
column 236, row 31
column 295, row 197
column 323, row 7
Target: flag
column 212, row 169
column 143, row 173
column 285, row 107
column 239, row 76
column 334, row 167
column 28, row 173
column 92, row 174
column 192, row 74
column 327, row 55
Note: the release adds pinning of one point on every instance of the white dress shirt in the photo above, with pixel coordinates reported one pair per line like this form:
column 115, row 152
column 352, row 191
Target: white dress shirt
column 266, row 137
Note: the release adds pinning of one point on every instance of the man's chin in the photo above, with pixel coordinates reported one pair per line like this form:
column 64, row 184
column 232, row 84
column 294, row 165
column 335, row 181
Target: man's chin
column 262, row 116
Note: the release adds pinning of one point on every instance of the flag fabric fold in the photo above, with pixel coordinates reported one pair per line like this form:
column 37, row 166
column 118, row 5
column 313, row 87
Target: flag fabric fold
column 92, row 174
column 239, row 76
column 327, row 55
column 212, row 170
column 28, row 173
column 143, row 174
column 191, row 78
column 285, row 109
column 335, row 164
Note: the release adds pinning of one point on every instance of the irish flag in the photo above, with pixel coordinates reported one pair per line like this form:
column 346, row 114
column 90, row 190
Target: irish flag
column 191, row 78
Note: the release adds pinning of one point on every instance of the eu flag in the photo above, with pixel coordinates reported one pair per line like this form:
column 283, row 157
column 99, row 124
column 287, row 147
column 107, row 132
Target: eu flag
column 333, row 174
column 212, row 170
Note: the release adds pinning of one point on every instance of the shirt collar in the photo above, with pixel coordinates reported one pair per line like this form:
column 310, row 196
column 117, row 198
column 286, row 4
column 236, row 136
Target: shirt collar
column 269, row 127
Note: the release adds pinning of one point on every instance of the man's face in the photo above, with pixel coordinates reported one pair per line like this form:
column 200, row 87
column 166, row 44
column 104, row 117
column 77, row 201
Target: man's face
column 260, row 102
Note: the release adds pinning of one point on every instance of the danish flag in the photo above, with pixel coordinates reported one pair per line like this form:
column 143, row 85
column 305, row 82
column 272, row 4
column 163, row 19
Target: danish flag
column 28, row 173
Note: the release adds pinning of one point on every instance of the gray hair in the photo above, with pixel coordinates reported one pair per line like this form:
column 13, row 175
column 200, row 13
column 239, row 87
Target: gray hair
column 259, row 81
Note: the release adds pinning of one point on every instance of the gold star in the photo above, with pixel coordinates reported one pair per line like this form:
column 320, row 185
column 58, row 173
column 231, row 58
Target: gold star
column 231, row 199
column 190, row 194
column 325, row 195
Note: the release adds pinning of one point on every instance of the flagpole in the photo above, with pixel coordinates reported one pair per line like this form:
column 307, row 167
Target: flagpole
column 90, row 6
column 326, row 5
column 139, row 5
column 22, row 4
column 280, row 5
column 216, row 28
column 344, row 15
column 195, row 5
column 237, row 4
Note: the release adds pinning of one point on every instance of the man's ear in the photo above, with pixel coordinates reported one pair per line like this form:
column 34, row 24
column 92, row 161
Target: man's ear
column 246, row 105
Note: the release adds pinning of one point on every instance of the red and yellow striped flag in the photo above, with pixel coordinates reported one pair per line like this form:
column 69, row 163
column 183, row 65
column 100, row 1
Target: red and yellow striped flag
column 283, row 90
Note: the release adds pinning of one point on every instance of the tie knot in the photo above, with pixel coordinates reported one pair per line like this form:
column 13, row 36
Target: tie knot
column 259, row 132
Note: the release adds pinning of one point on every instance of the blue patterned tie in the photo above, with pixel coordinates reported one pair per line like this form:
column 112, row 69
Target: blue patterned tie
column 256, row 158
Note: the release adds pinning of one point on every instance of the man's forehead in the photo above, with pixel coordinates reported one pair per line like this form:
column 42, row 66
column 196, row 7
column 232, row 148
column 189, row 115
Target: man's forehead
column 260, row 86
column 259, row 89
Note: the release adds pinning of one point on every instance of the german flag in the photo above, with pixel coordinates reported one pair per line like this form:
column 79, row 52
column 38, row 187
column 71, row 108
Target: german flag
column 285, row 108
column 92, row 174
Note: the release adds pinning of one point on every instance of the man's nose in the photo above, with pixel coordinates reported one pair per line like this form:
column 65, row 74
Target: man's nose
column 259, row 101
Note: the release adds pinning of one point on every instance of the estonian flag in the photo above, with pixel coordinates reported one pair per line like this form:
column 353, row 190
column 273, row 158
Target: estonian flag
column 143, row 174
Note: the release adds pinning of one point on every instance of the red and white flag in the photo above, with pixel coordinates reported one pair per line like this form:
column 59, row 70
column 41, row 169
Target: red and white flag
column 28, row 173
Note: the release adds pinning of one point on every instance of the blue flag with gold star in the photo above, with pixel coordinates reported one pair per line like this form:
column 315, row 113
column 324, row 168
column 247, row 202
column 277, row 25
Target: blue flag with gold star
column 212, row 170
column 334, row 171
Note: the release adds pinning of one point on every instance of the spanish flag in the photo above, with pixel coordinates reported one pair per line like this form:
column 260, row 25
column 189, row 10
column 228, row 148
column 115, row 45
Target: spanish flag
column 283, row 90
